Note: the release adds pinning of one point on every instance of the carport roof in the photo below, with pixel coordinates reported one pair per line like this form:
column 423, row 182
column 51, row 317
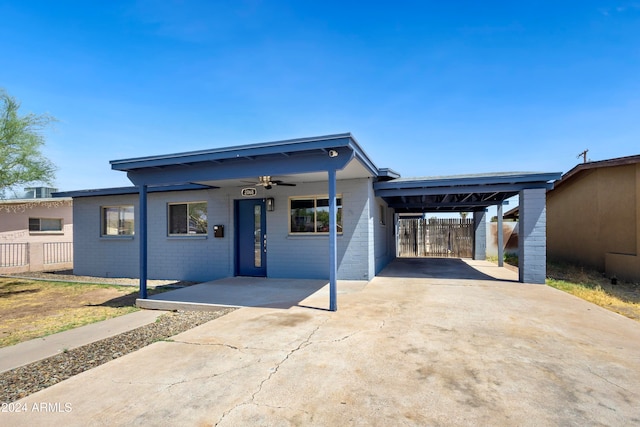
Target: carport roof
column 458, row 193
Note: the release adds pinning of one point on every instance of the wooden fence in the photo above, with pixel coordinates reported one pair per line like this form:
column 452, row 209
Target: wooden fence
column 435, row 238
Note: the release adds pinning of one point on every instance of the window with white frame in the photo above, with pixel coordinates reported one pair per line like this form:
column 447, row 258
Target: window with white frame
column 310, row 214
column 383, row 215
column 117, row 220
column 45, row 225
column 187, row 219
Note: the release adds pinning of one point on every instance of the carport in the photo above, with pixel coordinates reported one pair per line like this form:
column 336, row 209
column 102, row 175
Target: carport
column 475, row 193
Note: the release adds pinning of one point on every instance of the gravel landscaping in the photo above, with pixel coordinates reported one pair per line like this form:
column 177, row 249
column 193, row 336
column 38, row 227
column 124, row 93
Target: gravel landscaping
column 23, row 381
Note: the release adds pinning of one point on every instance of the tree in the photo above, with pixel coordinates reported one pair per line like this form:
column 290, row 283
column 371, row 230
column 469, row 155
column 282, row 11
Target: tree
column 21, row 161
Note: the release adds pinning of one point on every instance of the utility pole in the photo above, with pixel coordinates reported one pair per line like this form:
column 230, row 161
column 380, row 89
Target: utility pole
column 583, row 155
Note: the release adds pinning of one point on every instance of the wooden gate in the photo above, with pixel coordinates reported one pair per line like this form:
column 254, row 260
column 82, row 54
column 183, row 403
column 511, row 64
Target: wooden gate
column 435, row 238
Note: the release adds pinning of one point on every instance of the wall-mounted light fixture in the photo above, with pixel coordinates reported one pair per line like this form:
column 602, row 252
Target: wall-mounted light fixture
column 271, row 205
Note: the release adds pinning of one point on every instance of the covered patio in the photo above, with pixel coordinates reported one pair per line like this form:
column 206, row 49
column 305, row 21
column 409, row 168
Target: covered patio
column 317, row 159
column 287, row 293
column 325, row 160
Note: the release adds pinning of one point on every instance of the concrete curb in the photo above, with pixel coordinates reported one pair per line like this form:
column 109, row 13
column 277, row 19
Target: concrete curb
column 40, row 348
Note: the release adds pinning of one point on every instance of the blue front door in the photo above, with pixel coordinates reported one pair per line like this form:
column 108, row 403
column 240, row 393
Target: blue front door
column 251, row 238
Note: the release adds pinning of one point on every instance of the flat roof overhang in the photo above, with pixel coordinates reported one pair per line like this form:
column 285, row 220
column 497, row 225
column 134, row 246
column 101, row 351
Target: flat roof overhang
column 459, row 193
column 290, row 157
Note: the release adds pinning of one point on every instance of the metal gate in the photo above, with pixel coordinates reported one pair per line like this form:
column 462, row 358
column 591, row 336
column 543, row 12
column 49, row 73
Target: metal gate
column 435, row 238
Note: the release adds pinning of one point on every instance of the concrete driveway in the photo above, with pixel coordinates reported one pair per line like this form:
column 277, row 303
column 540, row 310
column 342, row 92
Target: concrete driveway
column 403, row 350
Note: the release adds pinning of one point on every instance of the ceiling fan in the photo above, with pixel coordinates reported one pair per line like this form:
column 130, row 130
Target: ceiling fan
column 268, row 183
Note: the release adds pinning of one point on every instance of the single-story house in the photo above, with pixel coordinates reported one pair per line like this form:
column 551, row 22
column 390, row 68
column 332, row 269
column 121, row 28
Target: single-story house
column 594, row 217
column 304, row 208
column 36, row 234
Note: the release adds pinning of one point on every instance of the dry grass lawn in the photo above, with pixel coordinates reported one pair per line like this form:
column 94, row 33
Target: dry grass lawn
column 32, row 309
column 590, row 285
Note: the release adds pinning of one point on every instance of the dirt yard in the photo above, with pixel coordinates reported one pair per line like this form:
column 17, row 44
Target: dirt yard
column 31, row 309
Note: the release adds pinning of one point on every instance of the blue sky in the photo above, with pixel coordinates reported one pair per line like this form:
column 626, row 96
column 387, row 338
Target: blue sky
column 426, row 87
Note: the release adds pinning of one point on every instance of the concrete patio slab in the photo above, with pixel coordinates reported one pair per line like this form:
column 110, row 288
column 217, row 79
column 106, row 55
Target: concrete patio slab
column 401, row 351
column 243, row 292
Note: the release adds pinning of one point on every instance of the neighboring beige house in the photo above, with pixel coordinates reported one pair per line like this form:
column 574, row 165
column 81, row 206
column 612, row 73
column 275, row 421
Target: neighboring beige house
column 36, row 234
column 593, row 217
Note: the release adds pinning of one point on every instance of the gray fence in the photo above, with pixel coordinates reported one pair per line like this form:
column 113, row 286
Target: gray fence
column 35, row 256
column 14, row 254
column 58, row 252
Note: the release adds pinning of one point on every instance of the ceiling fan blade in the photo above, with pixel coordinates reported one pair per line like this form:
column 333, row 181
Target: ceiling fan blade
column 286, row 184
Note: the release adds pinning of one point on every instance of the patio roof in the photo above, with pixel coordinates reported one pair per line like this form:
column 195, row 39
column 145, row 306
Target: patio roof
column 459, row 193
column 314, row 155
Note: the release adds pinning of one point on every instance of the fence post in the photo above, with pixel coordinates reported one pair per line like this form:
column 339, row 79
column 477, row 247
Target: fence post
column 36, row 256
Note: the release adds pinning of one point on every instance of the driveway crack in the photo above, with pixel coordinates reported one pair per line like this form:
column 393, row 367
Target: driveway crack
column 251, row 400
column 232, row 347
column 274, row 370
column 607, row 380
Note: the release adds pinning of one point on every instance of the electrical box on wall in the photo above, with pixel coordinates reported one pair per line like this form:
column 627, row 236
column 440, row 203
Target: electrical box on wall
column 218, row 231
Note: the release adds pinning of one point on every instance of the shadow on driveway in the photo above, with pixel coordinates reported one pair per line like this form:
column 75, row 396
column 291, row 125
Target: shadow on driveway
column 244, row 292
column 433, row 268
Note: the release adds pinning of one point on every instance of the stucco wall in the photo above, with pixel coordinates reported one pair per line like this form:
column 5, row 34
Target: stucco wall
column 14, row 221
column 207, row 258
column 594, row 214
column 36, row 251
column 509, row 235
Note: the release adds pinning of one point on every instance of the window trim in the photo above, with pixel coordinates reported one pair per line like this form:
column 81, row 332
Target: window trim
column 187, row 234
column 103, row 220
column 315, row 212
column 40, row 231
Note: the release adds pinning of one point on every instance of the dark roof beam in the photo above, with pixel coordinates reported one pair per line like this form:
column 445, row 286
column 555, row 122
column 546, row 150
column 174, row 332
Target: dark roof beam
column 463, row 189
column 471, row 180
column 437, row 206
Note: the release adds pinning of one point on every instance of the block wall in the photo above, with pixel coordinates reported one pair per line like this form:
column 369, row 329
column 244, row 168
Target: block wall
column 202, row 258
column 532, row 255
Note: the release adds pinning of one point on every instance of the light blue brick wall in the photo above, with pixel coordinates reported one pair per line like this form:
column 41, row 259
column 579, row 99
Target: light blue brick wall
column 185, row 258
column 189, row 258
column 480, row 235
column 209, row 258
column 383, row 234
column 307, row 256
column 532, row 256
column 96, row 256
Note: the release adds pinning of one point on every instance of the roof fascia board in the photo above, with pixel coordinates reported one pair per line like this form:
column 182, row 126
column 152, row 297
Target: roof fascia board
column 476, row 189
column 584, row 167
column 244, row 151
column 313, row 162
column 469, row 181
column 33, row 200
column 361, row 155
column 116, row 191
column 388, row 173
